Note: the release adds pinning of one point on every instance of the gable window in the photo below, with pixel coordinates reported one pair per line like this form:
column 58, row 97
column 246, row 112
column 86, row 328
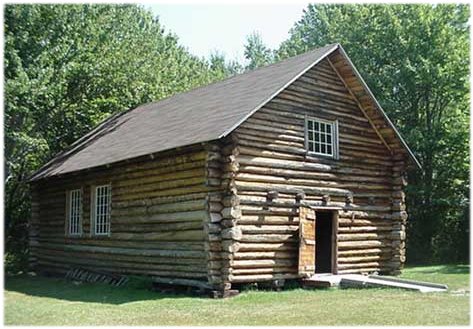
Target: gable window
column 101, row 209
column 74, row 212
column 322, row 137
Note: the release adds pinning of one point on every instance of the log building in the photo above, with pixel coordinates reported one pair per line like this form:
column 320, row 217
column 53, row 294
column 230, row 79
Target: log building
column 278, row 173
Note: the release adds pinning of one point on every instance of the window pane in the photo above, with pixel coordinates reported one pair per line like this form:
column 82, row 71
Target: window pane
column 74, row 212
column 102, row 209
column 320, row 137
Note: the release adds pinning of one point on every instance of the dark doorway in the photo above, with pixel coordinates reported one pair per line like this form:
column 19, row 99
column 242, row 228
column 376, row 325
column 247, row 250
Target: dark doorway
column 323, row 242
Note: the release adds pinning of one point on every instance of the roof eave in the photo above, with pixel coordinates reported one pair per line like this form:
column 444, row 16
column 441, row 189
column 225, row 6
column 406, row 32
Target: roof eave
column 368, row 90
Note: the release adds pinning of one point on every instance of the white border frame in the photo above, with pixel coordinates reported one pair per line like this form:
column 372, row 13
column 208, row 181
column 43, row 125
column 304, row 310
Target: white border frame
column 335, row 147
column 68, row 213
column 93, row 211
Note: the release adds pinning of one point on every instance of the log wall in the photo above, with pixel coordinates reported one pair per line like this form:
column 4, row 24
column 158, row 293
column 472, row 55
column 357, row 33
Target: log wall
column 160, row 219
column 227, row 212
column 272, row 167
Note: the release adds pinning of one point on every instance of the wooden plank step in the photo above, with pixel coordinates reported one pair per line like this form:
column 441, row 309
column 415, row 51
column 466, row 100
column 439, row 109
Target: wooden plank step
column 322, row 280
column 326, row 280
column 376, row 281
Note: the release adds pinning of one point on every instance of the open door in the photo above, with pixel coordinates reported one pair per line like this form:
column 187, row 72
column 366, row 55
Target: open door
column 306, row 242
column 324, row 235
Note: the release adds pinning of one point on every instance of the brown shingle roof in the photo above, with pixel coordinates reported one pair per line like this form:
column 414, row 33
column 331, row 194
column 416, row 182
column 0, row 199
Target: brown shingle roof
column 200, row 115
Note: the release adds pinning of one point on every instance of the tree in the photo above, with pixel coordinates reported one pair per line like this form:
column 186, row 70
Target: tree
column 221, row 67
column 256, row 52
column 415, row 58
column 67, row 67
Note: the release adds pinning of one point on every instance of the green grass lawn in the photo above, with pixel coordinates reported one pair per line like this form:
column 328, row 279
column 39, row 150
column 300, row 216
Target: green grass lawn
column 46, row 301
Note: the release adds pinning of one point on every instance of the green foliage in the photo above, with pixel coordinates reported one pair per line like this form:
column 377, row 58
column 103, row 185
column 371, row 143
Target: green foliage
column 67, row 67
column 415, row 58
column 222, row 68
column 256, row 52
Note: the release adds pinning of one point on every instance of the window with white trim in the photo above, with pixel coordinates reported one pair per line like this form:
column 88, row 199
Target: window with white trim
column 322, row 137
column 102, row 205
column 74, row 212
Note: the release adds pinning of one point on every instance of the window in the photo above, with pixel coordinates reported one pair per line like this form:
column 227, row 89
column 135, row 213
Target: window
column 101, row 209
column 322, row 137
column 74, row 212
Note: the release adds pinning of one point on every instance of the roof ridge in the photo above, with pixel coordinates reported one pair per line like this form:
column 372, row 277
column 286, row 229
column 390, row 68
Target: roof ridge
column 236, row 75
column 206, row 113
column 162, row 106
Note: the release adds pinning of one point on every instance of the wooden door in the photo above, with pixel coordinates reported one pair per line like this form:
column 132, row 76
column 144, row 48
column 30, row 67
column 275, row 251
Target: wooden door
column 306, row 242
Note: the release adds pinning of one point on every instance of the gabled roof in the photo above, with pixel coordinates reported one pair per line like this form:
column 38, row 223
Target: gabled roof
column 200, row 115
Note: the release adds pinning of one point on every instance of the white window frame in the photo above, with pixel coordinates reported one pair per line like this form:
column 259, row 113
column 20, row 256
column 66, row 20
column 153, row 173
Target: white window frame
column 334, row 137
column 74, row 212
column 98, row 213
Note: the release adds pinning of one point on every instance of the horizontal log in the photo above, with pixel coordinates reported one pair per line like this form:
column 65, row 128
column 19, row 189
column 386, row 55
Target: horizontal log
column 261, row 263
column 364, row 229
column 364, row 259
column 184, row 282
column 361, row 270
column 307, row 174
column 126, row 251
column 112, row 242
column 288, row 188
column 268, row 270
column 262, row 277
column 187, row 188
column 264, row 255
column 160, row 208
column 269, row 229
column 261, row 246
column 191, row 235
column 160, row 200
column 343, row 245
column 283, row 164
column 144, row 228
column 372, row 264
column 153, row 187
column 116, row 263
column 269, row 220
column 159, row 176
column 268, row 238
column 126, row 270
column 362, row 236
column 185, row 216
column 353, row 252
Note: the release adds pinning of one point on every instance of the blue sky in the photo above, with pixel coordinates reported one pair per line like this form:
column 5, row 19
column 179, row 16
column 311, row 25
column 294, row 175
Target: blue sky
column 204, row 29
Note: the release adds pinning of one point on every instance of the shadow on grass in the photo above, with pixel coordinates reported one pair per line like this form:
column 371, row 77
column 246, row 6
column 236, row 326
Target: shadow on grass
column 138, row 289
column 444, row 269
column 57, row 288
